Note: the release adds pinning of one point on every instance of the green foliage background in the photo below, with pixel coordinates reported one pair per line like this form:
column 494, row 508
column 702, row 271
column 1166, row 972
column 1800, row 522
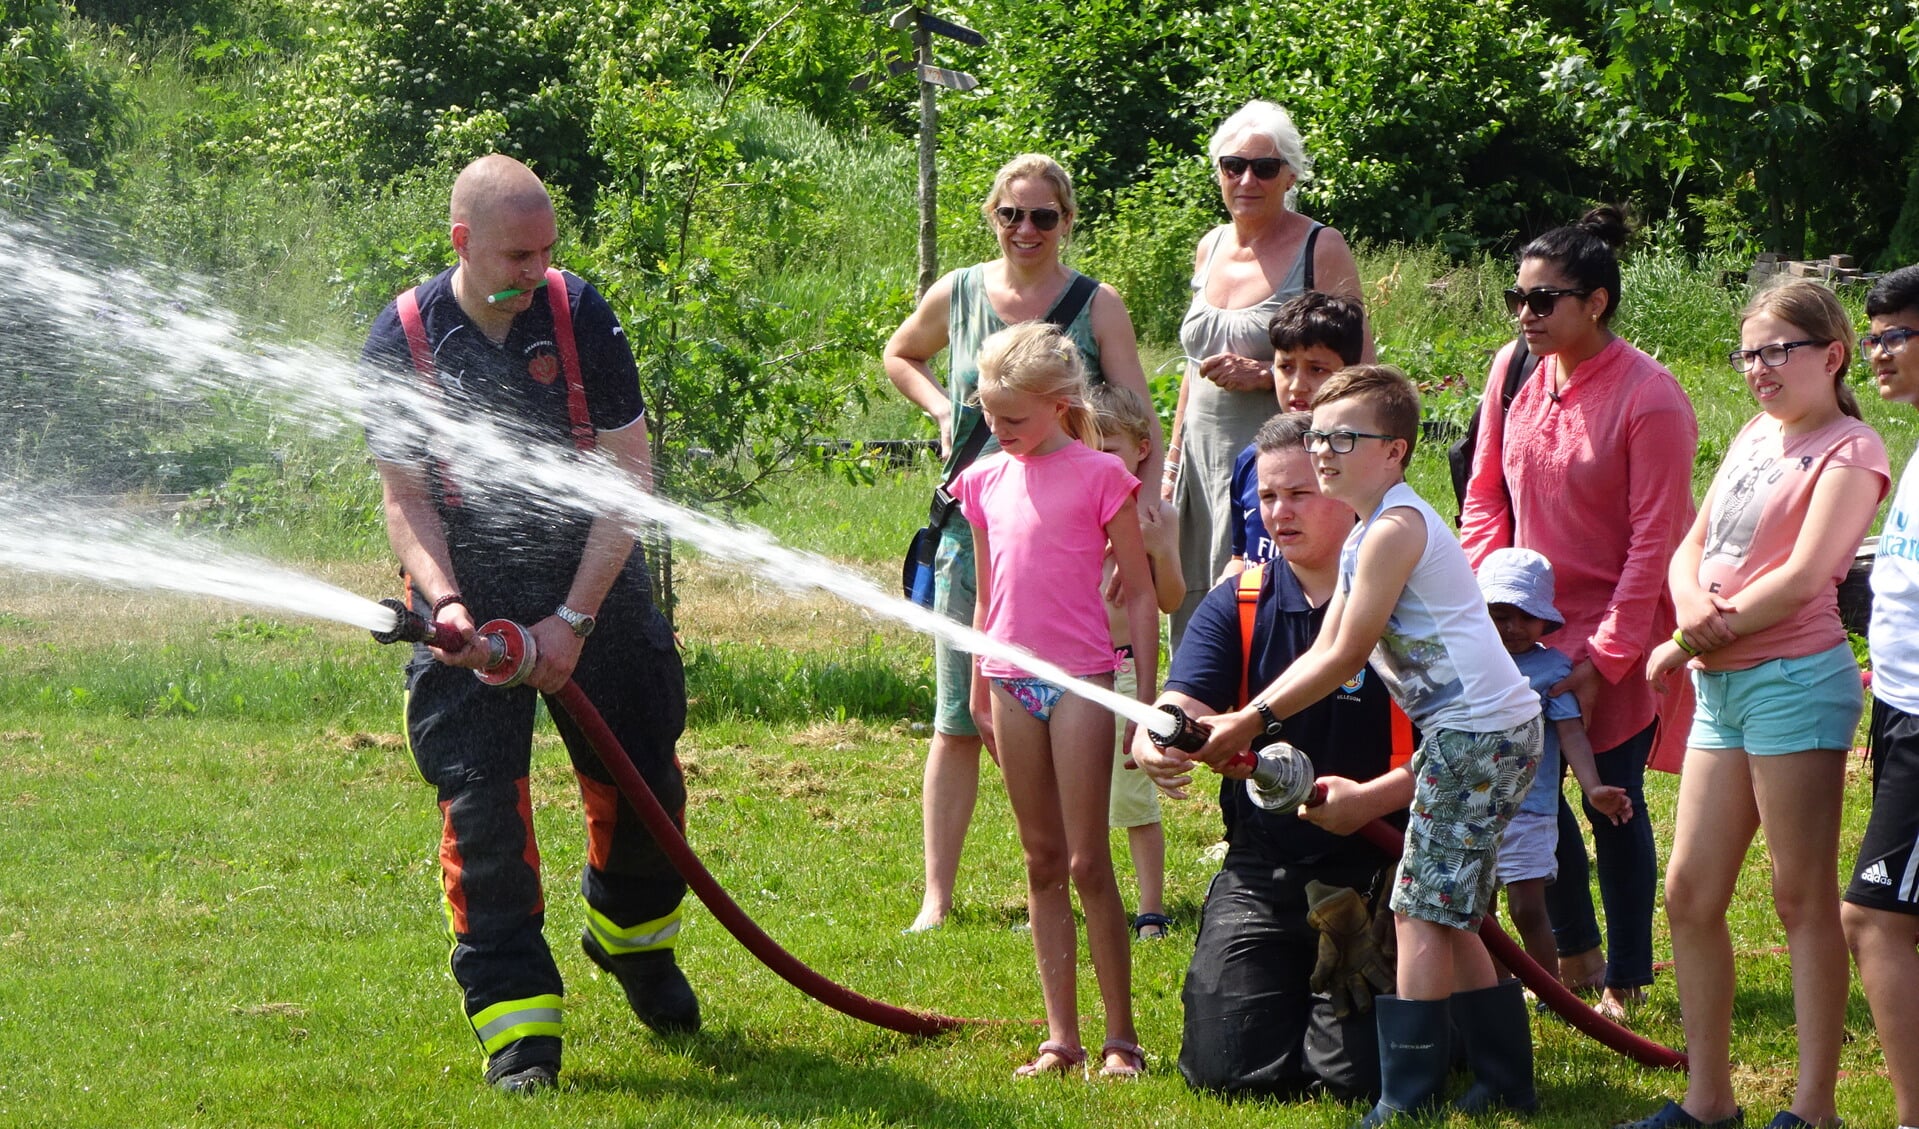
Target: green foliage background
column 752, row 218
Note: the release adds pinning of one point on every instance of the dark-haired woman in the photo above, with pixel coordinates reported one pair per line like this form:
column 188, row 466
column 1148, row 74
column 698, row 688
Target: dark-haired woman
column 1592, row 467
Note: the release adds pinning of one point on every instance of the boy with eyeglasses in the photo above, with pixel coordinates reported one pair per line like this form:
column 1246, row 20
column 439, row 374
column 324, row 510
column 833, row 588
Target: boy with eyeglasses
column 1881, row 908
column 1407, row 599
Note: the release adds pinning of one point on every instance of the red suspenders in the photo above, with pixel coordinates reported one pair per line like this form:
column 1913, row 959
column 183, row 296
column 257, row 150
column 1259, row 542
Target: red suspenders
column 1402, row 726
column 408, row 305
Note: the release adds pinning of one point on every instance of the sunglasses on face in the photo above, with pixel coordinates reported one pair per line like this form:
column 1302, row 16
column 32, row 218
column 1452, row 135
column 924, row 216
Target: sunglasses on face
column 1893, row 341
column 1541, row 300
column 1265, row 168
column 1046, row 219
column 1772, row 356
column 1339, row 442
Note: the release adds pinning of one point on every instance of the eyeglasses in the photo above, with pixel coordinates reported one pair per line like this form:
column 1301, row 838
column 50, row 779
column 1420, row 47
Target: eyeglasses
column 1773, row 355
column 1893, row 341
column 1541, row 300
column 1046, row 219
column 1265, row 168
column 1339, row 442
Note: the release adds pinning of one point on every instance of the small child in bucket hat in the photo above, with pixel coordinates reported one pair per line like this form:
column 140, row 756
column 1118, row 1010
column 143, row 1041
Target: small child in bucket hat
column 1518, row 587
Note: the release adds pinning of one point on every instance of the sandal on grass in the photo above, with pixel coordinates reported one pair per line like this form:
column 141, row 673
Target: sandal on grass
column 1064, row 1059
column 1617, row 1004
column 1151, row 926
column 1132, row 1058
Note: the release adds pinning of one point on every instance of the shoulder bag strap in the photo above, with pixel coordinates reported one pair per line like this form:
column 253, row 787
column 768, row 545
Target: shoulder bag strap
column 1312, row 237
column 943, row 500
column 1073, row 300
column 561, row 304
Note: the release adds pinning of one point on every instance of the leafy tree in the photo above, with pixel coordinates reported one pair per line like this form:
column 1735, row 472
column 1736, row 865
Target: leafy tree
column 1735, row 100
column 698, row 213
column 57, row 109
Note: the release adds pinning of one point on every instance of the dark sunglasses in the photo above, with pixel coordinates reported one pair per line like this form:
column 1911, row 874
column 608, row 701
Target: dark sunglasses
column 1540, row 300
column 1046, row 219
column 1265, row 168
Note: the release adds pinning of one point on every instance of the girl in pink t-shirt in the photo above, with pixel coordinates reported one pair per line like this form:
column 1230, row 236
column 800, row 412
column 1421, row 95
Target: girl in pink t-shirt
column 1043, row 511
column 1755, row 584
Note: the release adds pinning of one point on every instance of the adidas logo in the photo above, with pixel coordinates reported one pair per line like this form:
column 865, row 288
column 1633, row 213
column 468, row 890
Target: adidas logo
column 1876, row 875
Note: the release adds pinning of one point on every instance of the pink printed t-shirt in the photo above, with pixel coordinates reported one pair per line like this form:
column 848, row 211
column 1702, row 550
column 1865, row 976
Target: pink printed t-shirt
column 1045, row 522
column 1759, row 501
column 1600, row 481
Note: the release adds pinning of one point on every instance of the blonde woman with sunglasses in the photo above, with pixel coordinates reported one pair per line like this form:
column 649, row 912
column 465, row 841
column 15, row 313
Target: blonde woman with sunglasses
column 1243, row 271
column 1031, row 211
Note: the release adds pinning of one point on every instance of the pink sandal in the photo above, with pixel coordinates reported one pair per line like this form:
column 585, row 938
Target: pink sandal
column 1065, row 1058
column 1132, row 1054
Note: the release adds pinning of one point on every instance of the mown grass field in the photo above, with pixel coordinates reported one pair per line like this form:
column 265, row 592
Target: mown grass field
column 220, row 904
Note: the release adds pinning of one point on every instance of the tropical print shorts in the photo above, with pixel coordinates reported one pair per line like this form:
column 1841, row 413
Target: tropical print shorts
column 1466, row 787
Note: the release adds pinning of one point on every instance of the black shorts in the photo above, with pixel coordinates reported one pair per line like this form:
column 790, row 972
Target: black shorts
column 1887, row 874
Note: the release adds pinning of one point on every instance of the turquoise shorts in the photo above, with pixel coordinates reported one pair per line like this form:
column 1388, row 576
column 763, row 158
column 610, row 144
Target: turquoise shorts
column 953, row 597
column 1780, row 706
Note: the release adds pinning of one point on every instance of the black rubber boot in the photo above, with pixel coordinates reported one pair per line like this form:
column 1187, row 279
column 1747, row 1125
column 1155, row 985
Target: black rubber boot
column 1496, row 1027
column 525, row 1066
column 656, row 989
column 1415, row 1054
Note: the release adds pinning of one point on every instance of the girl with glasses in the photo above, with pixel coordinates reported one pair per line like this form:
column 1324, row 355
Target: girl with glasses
column 1592, row 467
column 1030, row 210
column 1756, row 583
column 1243, row 271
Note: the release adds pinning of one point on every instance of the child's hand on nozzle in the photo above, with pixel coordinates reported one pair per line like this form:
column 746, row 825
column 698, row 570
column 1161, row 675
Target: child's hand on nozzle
column 1612, row 802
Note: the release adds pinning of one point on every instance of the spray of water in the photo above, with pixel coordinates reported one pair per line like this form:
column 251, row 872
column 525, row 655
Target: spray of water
column 113, row 552
column 162, row 335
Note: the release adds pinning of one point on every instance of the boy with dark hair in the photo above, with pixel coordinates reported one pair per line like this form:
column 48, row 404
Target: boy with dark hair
column 1408, row 600
column 1881, row 908
column 1314, row 335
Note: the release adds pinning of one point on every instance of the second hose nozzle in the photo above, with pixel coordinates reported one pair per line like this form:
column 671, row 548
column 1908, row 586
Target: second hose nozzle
column 1283, row 778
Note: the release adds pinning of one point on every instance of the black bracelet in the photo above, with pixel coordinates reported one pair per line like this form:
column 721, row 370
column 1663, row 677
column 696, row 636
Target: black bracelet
column 440, row 604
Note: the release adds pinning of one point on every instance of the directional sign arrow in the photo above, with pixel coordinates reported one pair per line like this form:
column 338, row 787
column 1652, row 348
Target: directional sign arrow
column 952, row 80
column 951, row 30
column 903, row 19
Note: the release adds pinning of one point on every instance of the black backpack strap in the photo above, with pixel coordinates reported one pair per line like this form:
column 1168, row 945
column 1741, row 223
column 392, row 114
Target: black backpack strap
column 1312, row 237
column 1070, row 303
column 1518, row 367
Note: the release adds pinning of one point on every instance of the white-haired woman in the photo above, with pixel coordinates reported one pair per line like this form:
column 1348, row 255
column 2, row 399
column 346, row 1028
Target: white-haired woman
column 1031, row 209
column 1242, row 272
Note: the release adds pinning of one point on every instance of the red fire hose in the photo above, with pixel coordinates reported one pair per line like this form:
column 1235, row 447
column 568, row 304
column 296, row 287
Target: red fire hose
column 1544, row 985
column 512, row 645
column 724, row 908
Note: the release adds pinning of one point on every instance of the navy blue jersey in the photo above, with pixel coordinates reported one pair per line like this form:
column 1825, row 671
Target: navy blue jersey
column 510, row 540
column 1251, row 543
column 1348, row 733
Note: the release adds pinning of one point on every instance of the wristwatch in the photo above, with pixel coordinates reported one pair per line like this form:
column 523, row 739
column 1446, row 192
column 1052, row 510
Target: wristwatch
column 1266, row 714
column 580, row 622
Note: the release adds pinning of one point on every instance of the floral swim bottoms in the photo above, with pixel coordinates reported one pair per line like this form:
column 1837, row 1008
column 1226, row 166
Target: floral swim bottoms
column 1036, row 695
